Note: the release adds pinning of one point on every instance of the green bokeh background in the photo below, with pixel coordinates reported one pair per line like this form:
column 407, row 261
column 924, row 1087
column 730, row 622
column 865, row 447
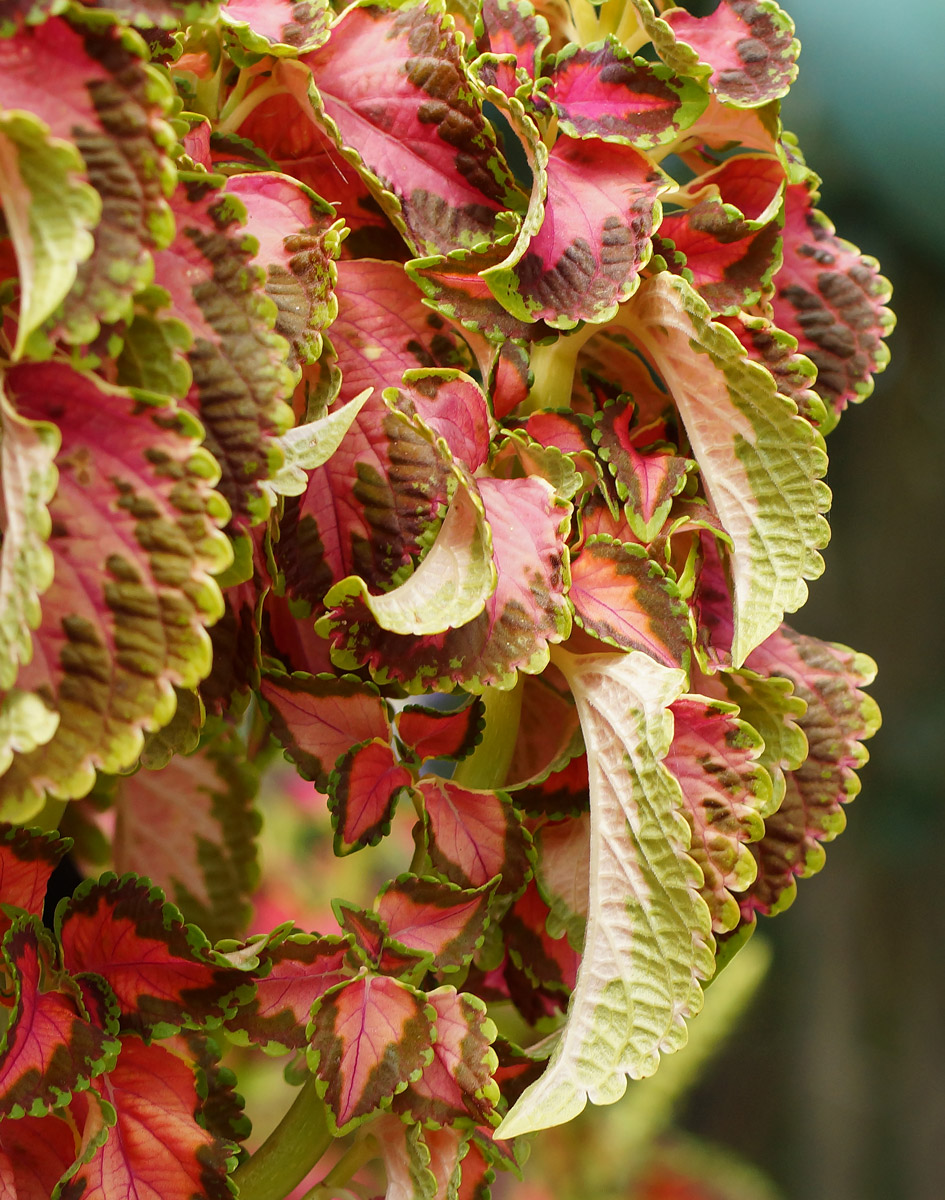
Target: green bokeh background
column 836, row 1083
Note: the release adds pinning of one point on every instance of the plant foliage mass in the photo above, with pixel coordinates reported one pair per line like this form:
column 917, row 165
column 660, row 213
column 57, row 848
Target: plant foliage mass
column 435, row 391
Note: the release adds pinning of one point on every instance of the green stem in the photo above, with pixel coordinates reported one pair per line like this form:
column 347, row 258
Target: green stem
column 248, row 105
column 489, row 763
column 353, row 1159
column 50, row 815
column 289, row 1153
column 553, row 367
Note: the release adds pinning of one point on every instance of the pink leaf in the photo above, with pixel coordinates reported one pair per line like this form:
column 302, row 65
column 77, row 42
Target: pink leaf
column 434, row 918
column 369, row 1039
column 362, row 792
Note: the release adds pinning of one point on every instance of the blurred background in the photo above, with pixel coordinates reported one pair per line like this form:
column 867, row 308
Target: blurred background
column 835, row 1083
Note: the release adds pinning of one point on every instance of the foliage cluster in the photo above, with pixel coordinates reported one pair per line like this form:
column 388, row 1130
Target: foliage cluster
column 435, row 391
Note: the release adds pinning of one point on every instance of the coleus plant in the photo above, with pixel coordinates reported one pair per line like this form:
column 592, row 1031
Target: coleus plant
column 437, row 391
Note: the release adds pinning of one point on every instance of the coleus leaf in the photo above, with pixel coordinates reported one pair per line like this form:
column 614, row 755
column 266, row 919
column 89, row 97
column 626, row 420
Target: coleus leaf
column 369, row 1038
column 191, row 828
column 383, row 328
column 525, row 613
column 601, row 91
column 369, row 512
column 473, row 836
column 293, row 974
column 434, row 918
column 49, row 212
column 27, row 484
column 440, row 173
column 49, row 1048
column 27, row 859
column 363, row 791
column 439, row 733
column 550, row 963
column 839, row 717
column 512, row 27
column 134, row 541
column 562, row 876
column 761, row 463
column 311, row 445
column 621, row 596
column 159, row 969
column 648, row 937
column 549, row 730
column 713, row 756
column 111, row 107
column 585, row 259
column 562, row 792
column 154, row 1142
column 453, row 406
column 317, row 719
column 451, row 586
column 777, row 351
column 458, row 1082
column 748, row 47
column 420, row 1164
column 298, row 241
column 240, row 376
column 457, row 290
column 35, row 1152
column 280, row 27
column 832, row 299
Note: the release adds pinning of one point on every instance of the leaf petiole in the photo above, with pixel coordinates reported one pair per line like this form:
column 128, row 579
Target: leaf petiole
column 289, row 1153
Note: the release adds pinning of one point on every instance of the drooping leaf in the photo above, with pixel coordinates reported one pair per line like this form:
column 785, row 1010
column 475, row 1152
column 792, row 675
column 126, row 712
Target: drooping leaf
column 434, row 918
column 134, row 541
column 49, row 212
column 27, row 859
column 384, row 329
column 622, row 596
column 648, row 940
column 191, row 828
column 363, row 791
column 525, row 613
column 239, row 363
column 839, row 717
column 292, row 975
column 748, row 46
column 441, row 172
column 585, row 259
column 26, row 722
column 111, row 108
column 319, row 719
column 49, row 1048
column 512, row 27
column 601, row 91
column 832, row 299
column 27, row 484
column 282, row 27
column 420, row 1164
column 777, row 351
column 154, row 1142
column 311, row 445
column 473, row 836
column 458, row 1082
column 761, row 463
column 160, row 969
column 369, row 1038
column 713, row 757
column 298, row 243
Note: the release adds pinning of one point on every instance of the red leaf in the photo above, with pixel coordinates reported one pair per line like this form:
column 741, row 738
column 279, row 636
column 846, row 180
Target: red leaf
column 564, row 792
column 435, row 919
column 550, row 963
column 474, row 835
column 458, row 1081
column 155, row 1146
column 369, row 1039
column 49, row 1048
column 435, row 733
column 158, row 967
column 318, row 719
column 362, row 792
column 35, row 1152
column 293, row 974
column 27, row 859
